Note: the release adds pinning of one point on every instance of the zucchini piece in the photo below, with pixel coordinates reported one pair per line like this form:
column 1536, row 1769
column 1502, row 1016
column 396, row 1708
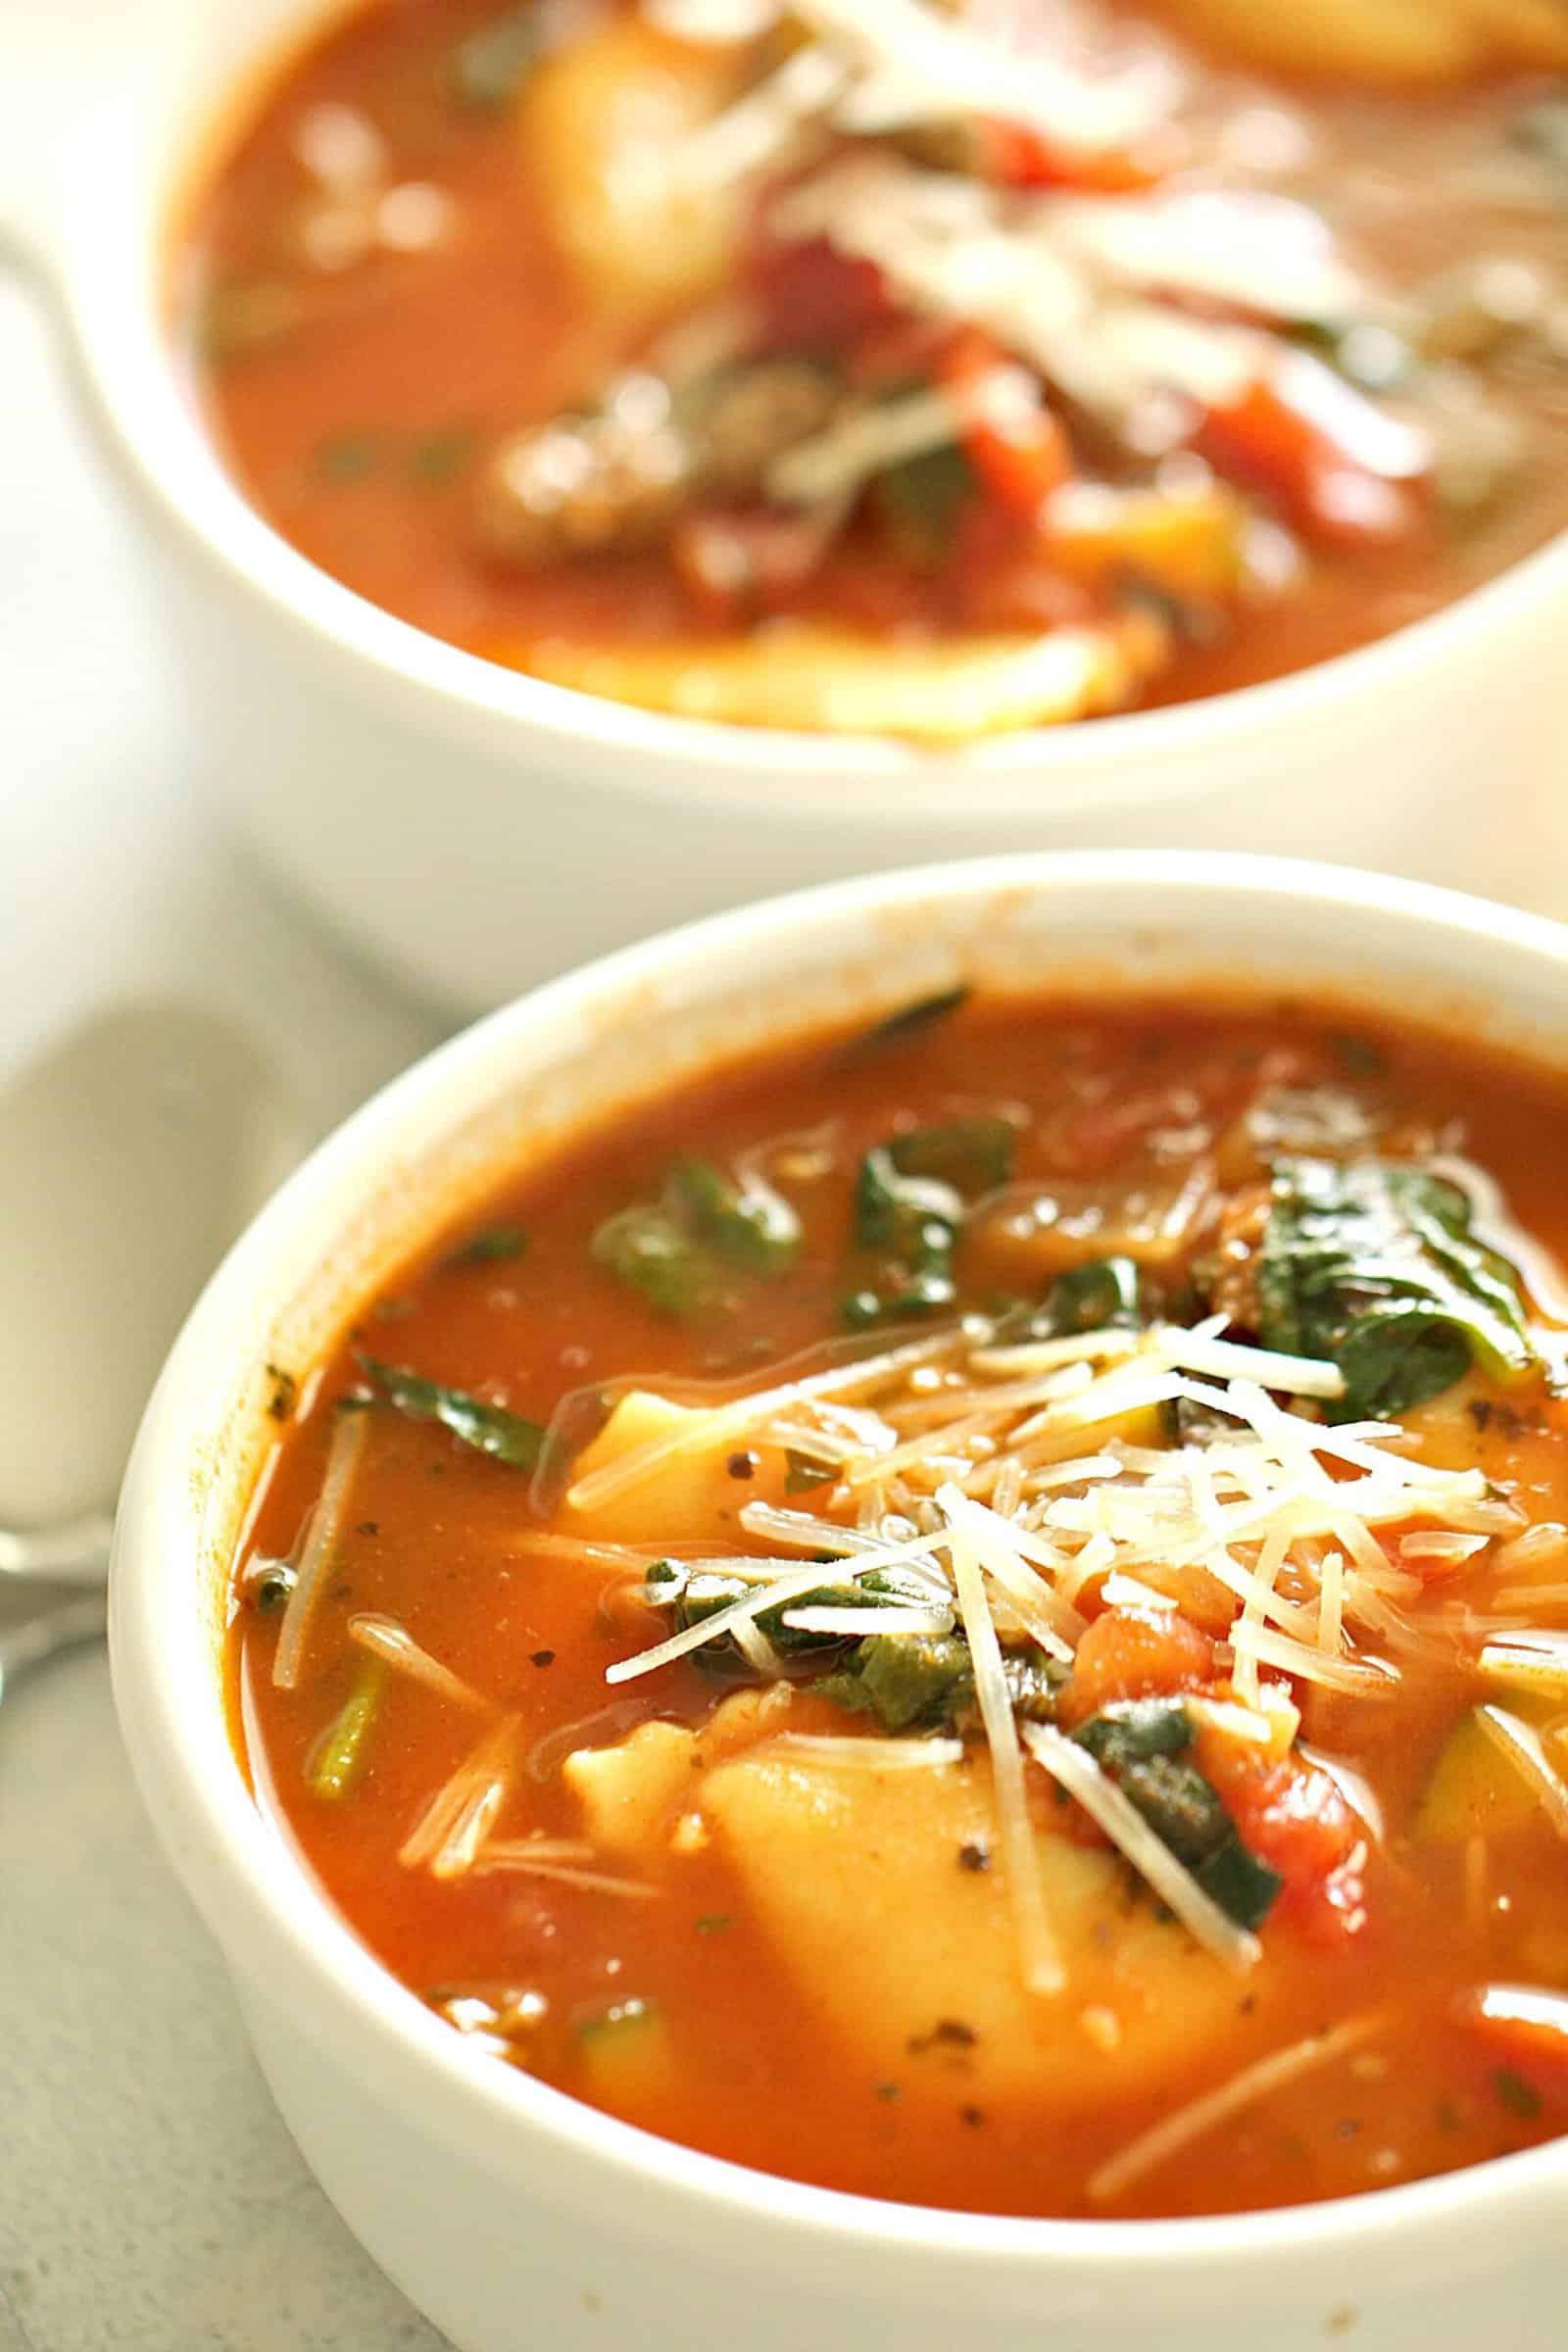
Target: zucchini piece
column 1473, row 1793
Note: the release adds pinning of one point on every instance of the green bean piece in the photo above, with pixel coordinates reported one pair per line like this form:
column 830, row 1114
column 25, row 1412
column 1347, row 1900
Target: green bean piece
column 339, row 1761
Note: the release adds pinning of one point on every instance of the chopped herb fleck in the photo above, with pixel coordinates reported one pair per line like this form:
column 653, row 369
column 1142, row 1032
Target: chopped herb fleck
column 713, row 1923
column 1360, row 1056
column 487, row 1249
column 949, row 2033
column 1520, row 2097
column 344, row 459
column 285, row 1392
column 438, row 457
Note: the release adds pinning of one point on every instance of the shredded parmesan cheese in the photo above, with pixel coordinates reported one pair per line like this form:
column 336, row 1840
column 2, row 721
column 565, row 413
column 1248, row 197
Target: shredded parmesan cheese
column 1194, row 2121
column 1042, row 1971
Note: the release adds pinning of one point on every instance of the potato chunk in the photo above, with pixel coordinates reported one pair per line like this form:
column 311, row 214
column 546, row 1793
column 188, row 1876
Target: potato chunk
column 602, row 128
column 855, row 1875
column 691, row 1497
column 629, row 1792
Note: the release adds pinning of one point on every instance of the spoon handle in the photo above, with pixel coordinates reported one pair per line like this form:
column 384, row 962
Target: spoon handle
column 74, row 1553
column 62, row 1626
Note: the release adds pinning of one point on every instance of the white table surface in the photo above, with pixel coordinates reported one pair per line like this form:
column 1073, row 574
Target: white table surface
column 150, row 2201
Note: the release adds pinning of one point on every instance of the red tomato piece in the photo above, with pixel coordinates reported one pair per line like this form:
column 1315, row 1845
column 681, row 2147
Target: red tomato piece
column 1338, row 467
column 810, row 293
column 1135, row 1654
column 1017, row 448
column 1292, row 1816
column 1020, row 158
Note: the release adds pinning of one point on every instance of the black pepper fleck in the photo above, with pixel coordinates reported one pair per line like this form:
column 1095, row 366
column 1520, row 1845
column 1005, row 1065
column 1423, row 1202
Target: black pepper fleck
column 744, row 1464
column 974, row 1857
column 543, row 1658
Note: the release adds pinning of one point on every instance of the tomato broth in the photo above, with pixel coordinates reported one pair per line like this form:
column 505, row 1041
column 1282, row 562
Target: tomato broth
column 1261, row 1856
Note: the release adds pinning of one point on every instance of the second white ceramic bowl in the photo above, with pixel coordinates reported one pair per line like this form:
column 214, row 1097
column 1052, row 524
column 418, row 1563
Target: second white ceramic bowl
column 509, row 2213
column 479, row 830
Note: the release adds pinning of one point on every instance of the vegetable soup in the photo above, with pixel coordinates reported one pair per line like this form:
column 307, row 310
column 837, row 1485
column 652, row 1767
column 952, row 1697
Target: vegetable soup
column 974, row 1611
column 868, row 366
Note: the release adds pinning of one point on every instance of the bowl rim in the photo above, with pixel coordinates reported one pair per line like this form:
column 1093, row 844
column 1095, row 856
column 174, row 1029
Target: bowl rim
column 259, row 1898
column 109, row 265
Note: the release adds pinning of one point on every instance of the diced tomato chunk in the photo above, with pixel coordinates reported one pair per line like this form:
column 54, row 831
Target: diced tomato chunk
column 1020, row 158
column 1292, row 1816
column 734, row 561
column 1338, row 467
column 1017, row 448
column 1001, row 574
column 1135, row 1654
column 810, row 293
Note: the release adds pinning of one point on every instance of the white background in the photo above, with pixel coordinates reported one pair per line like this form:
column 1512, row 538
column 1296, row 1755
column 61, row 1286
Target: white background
column 150, row 2201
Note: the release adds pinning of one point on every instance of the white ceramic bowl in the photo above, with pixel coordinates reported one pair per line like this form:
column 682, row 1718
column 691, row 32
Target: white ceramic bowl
column 506, row 2211
column 481, row 830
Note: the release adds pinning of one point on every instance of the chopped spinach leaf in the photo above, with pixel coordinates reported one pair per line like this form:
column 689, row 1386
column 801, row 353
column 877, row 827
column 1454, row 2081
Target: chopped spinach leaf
column 919, row 500
column 973, row 1155
column 751, row 1227
column 1141, row 1745
column 487, row 1249
column 901, row 1213
column 696, row 1593
column 1372, row 1264
column 489, row 67
column 902, row 1027
column 649, row 1251
column 910, row 1202
column 1105, row 1295
column 1132, row 1730
column 676, row 1249
column 1245, row 1889
column 925, row 1682
column 489, row 1428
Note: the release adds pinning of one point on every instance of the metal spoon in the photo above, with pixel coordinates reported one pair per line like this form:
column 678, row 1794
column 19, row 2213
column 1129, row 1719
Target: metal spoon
column 130, row 1155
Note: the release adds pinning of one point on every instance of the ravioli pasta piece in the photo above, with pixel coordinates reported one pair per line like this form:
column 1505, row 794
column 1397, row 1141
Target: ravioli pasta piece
column 689, row 1498
column 855, row 1876
column 1385, row 42
column 824, row 680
